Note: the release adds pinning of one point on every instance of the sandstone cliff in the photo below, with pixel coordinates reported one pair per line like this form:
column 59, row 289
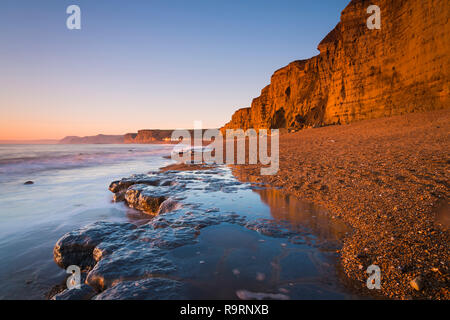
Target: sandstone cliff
column 361, row 73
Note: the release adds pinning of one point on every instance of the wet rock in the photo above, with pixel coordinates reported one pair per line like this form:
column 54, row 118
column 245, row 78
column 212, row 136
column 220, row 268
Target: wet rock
column 271, row 228
column 125, row 183
column 114, row 252
column 139, row 255
column 28, row 182
column 147, row 289
column 166, row 238
column 168, row 183
column 196, row 219
column 119, row 185
column 417, row 283
column 226, row 186
column 77, row 247
column 248, row 295
column 169, row 205
column 133, row 261
column 84, row 293
column 145, row 198
column 119, row 196
column 298, row 239
column 147, row 192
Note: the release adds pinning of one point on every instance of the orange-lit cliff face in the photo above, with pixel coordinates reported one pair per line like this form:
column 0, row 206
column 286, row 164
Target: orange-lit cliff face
column 362, row 73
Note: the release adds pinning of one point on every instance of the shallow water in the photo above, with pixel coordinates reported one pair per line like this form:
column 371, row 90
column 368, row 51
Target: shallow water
column 230, row 260
column 68, row 192
column 226, row 261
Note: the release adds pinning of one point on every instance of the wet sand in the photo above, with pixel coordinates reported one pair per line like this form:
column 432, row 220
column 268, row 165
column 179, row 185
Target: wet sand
column 388, row 179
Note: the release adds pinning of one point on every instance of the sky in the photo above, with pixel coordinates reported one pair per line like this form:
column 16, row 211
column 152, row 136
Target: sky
column 143, row 64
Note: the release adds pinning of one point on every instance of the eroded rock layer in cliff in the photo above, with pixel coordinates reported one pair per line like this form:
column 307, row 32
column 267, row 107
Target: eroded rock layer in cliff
column 362, row 73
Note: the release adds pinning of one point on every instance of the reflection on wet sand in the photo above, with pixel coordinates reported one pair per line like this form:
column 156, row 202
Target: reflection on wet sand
column 301, row 215
column 443, row 215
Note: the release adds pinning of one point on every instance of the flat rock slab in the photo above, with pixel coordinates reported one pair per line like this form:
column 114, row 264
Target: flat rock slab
column 77, row 247
column 147, row 289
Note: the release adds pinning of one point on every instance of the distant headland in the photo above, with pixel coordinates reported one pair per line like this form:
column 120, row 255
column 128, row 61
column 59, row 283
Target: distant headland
column 142, row 136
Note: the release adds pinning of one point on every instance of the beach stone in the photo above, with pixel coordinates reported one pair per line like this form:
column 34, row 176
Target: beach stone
column 84, row 293
column 417, row 283
column 147, row 289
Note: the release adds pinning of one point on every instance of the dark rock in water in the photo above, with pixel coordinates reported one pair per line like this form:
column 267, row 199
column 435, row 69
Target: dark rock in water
column 115, row 252
column 144, row 198
column 271, row 228
column 84, row 293
column 196, row 219
column 137, row 255
column 125, row 183
column 248, row 295
column 135, row 260
column 29, row 182
column 168, row 206
column 119, row 185
column 147, row 193
column 168, row 183
column 77, row 247
column 147, row 289
column 167, row 238
column 119, row 196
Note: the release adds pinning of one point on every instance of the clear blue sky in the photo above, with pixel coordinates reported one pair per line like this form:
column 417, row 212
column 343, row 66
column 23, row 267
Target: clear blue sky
column 145, row 64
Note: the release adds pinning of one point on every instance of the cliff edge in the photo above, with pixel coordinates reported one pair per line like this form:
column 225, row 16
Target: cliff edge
column 361, row 73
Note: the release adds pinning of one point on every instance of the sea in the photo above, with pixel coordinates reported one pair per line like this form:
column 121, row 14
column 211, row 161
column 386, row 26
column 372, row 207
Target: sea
column 69, row 190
